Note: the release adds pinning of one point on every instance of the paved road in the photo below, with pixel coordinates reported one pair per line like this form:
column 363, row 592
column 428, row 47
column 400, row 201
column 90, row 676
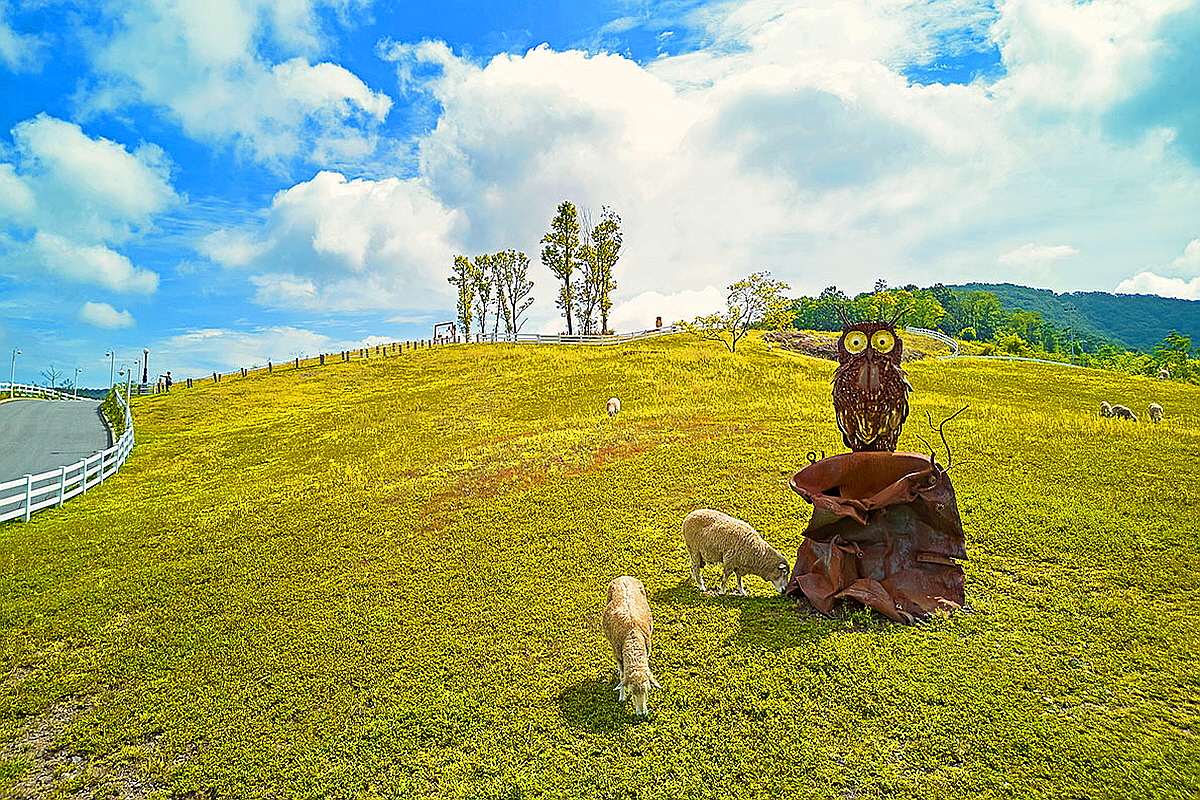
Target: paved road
column 37, row 435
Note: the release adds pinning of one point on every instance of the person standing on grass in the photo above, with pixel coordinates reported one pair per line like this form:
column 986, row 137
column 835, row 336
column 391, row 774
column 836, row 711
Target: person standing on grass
column 168, row 381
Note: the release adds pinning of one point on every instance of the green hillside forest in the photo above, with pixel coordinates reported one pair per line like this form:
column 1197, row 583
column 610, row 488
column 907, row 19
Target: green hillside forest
column 384, row 579
column 1137, row 321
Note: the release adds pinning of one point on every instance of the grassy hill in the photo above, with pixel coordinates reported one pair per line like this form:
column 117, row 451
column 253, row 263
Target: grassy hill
column 1137, row 321
column 384, row 579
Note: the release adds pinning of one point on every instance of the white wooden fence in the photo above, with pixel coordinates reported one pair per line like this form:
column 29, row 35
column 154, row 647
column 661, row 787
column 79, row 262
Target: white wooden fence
column 21, row 497
column 24, row 390
column 562, row 338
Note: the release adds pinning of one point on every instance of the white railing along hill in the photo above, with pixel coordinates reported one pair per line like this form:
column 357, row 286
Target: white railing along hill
column 21, row 497
column 25, row 390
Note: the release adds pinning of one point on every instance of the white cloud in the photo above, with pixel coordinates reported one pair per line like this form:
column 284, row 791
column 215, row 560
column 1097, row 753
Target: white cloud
column 102, row 315
column 1154, row 282
column 792, row 142
column 205, row 66
column 69, row 199
column 95, row 264
column 345, row 244
column 639, row 313
column 91, row 189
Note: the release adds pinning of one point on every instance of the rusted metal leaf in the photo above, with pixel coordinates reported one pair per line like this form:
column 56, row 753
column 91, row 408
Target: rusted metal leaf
column 885, row 531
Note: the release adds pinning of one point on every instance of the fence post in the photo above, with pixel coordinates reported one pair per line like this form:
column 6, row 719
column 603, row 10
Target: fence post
column 322, row 359
column 28, row 495
column 62, row 485
column 83, row 475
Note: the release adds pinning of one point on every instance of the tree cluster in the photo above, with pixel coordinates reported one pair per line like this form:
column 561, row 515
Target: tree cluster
column 498, row 285
column 583, row 256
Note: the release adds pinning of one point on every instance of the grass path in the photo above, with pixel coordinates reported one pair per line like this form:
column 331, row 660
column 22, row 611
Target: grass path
column 384, row 579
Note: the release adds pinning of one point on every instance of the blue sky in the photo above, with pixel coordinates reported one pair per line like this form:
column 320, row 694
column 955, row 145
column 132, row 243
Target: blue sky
column 239, row 180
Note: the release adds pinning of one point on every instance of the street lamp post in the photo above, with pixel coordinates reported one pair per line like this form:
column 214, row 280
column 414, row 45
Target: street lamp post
column 112, row 363
column 12, row 372
column 75, row 383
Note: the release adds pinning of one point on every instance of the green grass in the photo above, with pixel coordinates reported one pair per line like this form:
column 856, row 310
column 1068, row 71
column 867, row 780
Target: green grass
column 384, row 579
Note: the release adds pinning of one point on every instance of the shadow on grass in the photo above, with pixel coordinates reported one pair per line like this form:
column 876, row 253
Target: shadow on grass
column 591, row 705
column 764, row 623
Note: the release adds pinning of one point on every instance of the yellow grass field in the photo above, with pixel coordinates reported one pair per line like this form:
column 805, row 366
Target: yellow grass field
column 384, row 578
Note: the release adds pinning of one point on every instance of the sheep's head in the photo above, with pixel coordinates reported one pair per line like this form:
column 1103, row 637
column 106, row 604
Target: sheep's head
column 782, row 575
column 638, row 684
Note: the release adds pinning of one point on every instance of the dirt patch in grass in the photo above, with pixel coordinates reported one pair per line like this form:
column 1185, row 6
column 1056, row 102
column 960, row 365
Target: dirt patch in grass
column 51, row 766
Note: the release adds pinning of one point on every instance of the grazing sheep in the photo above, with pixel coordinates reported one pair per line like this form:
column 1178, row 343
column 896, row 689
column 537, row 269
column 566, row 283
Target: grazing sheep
column 1121, row 412
column 1156, row 412
column 1105, row 409
column 716, row 538
column 628, row 625
column 1164, row 374
column 614, row 405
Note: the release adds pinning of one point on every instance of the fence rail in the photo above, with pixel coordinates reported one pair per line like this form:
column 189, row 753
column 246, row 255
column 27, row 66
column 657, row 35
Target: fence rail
column 395, row 348
column 25, row 390
column 938, row 336
column 56, row 486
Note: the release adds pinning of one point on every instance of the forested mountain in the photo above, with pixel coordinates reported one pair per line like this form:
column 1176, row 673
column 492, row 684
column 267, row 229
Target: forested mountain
column 1138, row 321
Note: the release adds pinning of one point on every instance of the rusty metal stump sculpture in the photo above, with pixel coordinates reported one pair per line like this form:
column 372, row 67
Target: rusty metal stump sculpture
column 885, row 528
column 885, row 531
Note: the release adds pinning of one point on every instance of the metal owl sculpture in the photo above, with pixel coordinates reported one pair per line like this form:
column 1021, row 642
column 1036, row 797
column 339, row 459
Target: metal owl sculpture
column 870, row 390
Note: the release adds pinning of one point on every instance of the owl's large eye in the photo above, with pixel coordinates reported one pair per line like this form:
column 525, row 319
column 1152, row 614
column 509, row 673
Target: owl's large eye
column 883, row 342
column 856, row 341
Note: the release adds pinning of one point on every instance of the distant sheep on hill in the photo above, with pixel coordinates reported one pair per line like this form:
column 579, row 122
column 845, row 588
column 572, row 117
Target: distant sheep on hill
column 1121, row 412
column 628, row 626
column 614, row 406
column 716, row 538
column 1164, row 374
column 1105, row 409
column 1156, row 412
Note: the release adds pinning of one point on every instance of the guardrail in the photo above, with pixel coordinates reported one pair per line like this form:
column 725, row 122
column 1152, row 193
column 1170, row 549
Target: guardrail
column 25, row 390
column 939, row 336
column 55, row 487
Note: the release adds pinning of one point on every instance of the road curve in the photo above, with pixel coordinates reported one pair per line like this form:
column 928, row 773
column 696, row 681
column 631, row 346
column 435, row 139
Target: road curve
column 38, row 435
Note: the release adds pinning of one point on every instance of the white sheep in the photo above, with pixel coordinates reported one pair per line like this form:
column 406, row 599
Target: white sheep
column 614, row 406
column 1164, row 374
column 716, row 538
column 1105, row 409
column 1156, row 412
column 1121, row 412
column 628, row 626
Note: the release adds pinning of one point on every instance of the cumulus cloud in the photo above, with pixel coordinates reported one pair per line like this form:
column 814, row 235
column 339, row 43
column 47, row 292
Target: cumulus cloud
column 1152, row 283
column 334, row 243
column 1182, row 278
column 205, row 66
column 792, row 142
column 69, row 200
column 102, row 315
column 95, row 264
column 639, row 312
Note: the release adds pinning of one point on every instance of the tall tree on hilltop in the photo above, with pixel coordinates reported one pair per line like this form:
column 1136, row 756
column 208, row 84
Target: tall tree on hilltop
column 561, row 255
column 606, row 249
column 481, row 275
column 514, row 287
column 463, row 278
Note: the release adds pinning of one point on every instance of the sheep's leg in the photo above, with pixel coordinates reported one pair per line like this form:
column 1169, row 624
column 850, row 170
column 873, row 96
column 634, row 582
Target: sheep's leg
column 741, row 589
column 697, row 562
column 725, row 573
column 620, row 667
